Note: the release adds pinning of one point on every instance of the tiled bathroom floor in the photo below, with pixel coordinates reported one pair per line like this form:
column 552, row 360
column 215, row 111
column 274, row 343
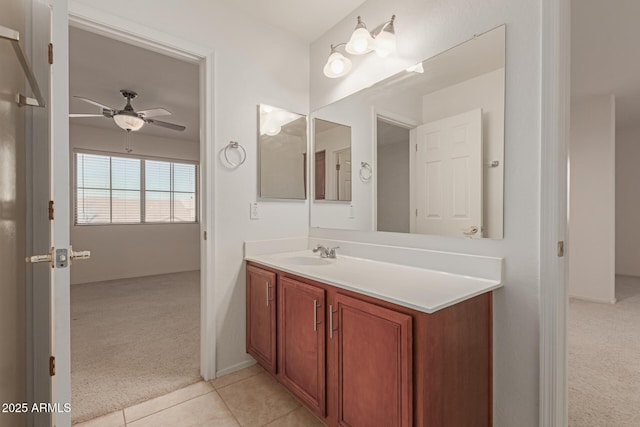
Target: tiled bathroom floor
column 249, row 397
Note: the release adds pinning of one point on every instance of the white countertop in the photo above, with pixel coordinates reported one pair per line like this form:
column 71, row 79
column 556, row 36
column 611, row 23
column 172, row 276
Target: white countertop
column 413, row 287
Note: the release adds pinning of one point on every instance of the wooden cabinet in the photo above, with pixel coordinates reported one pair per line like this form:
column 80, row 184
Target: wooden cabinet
column 373, row 364
column 301, row 309
column 358, row 361
column 261, row 316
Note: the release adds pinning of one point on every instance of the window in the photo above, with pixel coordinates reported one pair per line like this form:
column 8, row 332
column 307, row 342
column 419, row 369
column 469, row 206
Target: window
column 129, row 190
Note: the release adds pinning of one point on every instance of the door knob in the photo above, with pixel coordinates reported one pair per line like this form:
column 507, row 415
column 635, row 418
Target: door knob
column 470, row 231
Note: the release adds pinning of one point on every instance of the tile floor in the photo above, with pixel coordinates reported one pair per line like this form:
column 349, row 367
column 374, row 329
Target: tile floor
column 249, row 397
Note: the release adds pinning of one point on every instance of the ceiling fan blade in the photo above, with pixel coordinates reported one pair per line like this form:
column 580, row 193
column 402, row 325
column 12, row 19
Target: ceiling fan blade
column 165, row 124
column 154, row 112
column 97, row 104
column 85, row 115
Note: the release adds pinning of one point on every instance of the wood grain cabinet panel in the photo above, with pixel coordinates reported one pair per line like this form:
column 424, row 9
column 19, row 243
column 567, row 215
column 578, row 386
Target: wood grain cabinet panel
column 374, row 365
column 301, row 310
column 261, row 316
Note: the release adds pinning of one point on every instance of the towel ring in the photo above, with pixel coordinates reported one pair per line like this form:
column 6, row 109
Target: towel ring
column 366, row 172
column 236, row 145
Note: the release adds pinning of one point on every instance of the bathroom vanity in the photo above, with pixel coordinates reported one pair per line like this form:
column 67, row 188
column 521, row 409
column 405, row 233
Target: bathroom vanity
column 368, row 343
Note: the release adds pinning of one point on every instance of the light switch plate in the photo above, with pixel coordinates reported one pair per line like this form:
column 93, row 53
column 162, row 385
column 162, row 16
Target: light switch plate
column 351, row 212
column 254, row 211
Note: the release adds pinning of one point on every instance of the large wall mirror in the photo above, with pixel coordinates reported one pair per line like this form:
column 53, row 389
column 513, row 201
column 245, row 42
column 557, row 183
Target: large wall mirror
column 434, row 136
column 282, row 151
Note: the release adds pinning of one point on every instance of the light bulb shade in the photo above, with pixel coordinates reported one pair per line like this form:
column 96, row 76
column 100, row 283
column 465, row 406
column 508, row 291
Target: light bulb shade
column 128, row 122
column 337, row 65
column 385, row 42
column 417, row 68
column 360, row 42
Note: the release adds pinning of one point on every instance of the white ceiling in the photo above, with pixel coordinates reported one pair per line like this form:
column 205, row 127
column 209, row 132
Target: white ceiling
column 99, row 67
column 306, row 19
column 605, row 57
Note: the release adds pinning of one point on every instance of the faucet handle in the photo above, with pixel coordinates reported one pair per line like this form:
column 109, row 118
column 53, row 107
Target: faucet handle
column 332, row 251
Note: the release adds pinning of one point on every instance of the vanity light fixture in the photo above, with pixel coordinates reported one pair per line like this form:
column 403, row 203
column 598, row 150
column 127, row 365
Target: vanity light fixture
column 383, row 42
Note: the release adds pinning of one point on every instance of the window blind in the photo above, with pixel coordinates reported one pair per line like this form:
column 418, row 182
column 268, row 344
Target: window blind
column 112, row 189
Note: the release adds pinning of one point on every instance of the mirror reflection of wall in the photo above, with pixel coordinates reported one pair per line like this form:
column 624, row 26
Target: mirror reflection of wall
column 332, row 151
column 282, row 143
column 436, row 144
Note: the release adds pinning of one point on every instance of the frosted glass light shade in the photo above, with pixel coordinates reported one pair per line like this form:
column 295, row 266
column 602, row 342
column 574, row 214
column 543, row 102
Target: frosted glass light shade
column 360, row 42
column 127, row 122
column 385, row 43
column 337, row 65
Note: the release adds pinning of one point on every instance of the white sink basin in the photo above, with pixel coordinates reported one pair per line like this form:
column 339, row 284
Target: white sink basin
column 303, row 260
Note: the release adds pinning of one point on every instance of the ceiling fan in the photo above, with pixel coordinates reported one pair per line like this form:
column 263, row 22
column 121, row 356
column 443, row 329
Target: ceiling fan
column 127, row 118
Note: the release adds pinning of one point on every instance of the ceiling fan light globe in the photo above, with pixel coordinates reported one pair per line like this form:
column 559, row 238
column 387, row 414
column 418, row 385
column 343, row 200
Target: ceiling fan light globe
column 128, row 122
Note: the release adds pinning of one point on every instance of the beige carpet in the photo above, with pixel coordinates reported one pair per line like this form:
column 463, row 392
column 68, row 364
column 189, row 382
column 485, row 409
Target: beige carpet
column 604, row 359
column 132, row 340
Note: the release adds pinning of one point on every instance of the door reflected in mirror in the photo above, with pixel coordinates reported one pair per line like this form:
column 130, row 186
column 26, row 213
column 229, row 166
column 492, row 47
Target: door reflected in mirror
column 282, row 148
column 332, row 161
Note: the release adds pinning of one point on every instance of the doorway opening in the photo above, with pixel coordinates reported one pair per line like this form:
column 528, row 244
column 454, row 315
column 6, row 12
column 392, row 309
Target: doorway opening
column 137, row 204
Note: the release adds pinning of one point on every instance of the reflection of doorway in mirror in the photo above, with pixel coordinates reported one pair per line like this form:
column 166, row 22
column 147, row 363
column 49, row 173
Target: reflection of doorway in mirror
column 343, row 174
column 392, row 175
column 447, row 183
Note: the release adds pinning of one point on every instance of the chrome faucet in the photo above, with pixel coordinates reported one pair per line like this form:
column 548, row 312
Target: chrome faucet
column 326, row 252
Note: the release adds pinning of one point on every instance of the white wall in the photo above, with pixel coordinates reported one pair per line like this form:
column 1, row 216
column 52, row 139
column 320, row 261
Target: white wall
column 12, row 222
column 628, row 201
column 486, row 92
column 248, row 71
column 424, row 29
column 122, row 251
column 592, row 199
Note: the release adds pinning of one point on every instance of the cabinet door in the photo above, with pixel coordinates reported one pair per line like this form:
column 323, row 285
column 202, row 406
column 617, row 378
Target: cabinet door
column 374, row 364
column 261, row 316
column 301, row 309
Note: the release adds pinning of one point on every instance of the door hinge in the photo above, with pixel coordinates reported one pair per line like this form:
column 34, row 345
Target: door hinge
column 561, row 248
column 205, row 235
column 50, row 53
column 416, row 212
column 338, row 166
column 52, row 365
column 416, row 148
column 51, row 210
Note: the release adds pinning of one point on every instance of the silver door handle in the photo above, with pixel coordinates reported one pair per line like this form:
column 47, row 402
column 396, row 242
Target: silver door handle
column 315, row 314
column 331, row 311
column 471, row 230
column 63, row 257
column 268, row 288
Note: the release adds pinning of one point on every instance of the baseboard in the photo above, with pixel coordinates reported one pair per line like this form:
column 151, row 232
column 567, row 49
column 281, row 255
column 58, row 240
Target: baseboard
column 598, row 300
column 235, row 367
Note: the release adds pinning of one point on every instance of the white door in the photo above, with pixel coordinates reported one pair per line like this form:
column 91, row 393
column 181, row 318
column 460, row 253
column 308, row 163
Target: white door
column 52, row 26
column 448, row 176
column 343, row 170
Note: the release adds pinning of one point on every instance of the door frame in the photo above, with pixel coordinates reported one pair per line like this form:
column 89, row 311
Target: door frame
column 403, row 122
column 92, row 20
column 555, row 82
